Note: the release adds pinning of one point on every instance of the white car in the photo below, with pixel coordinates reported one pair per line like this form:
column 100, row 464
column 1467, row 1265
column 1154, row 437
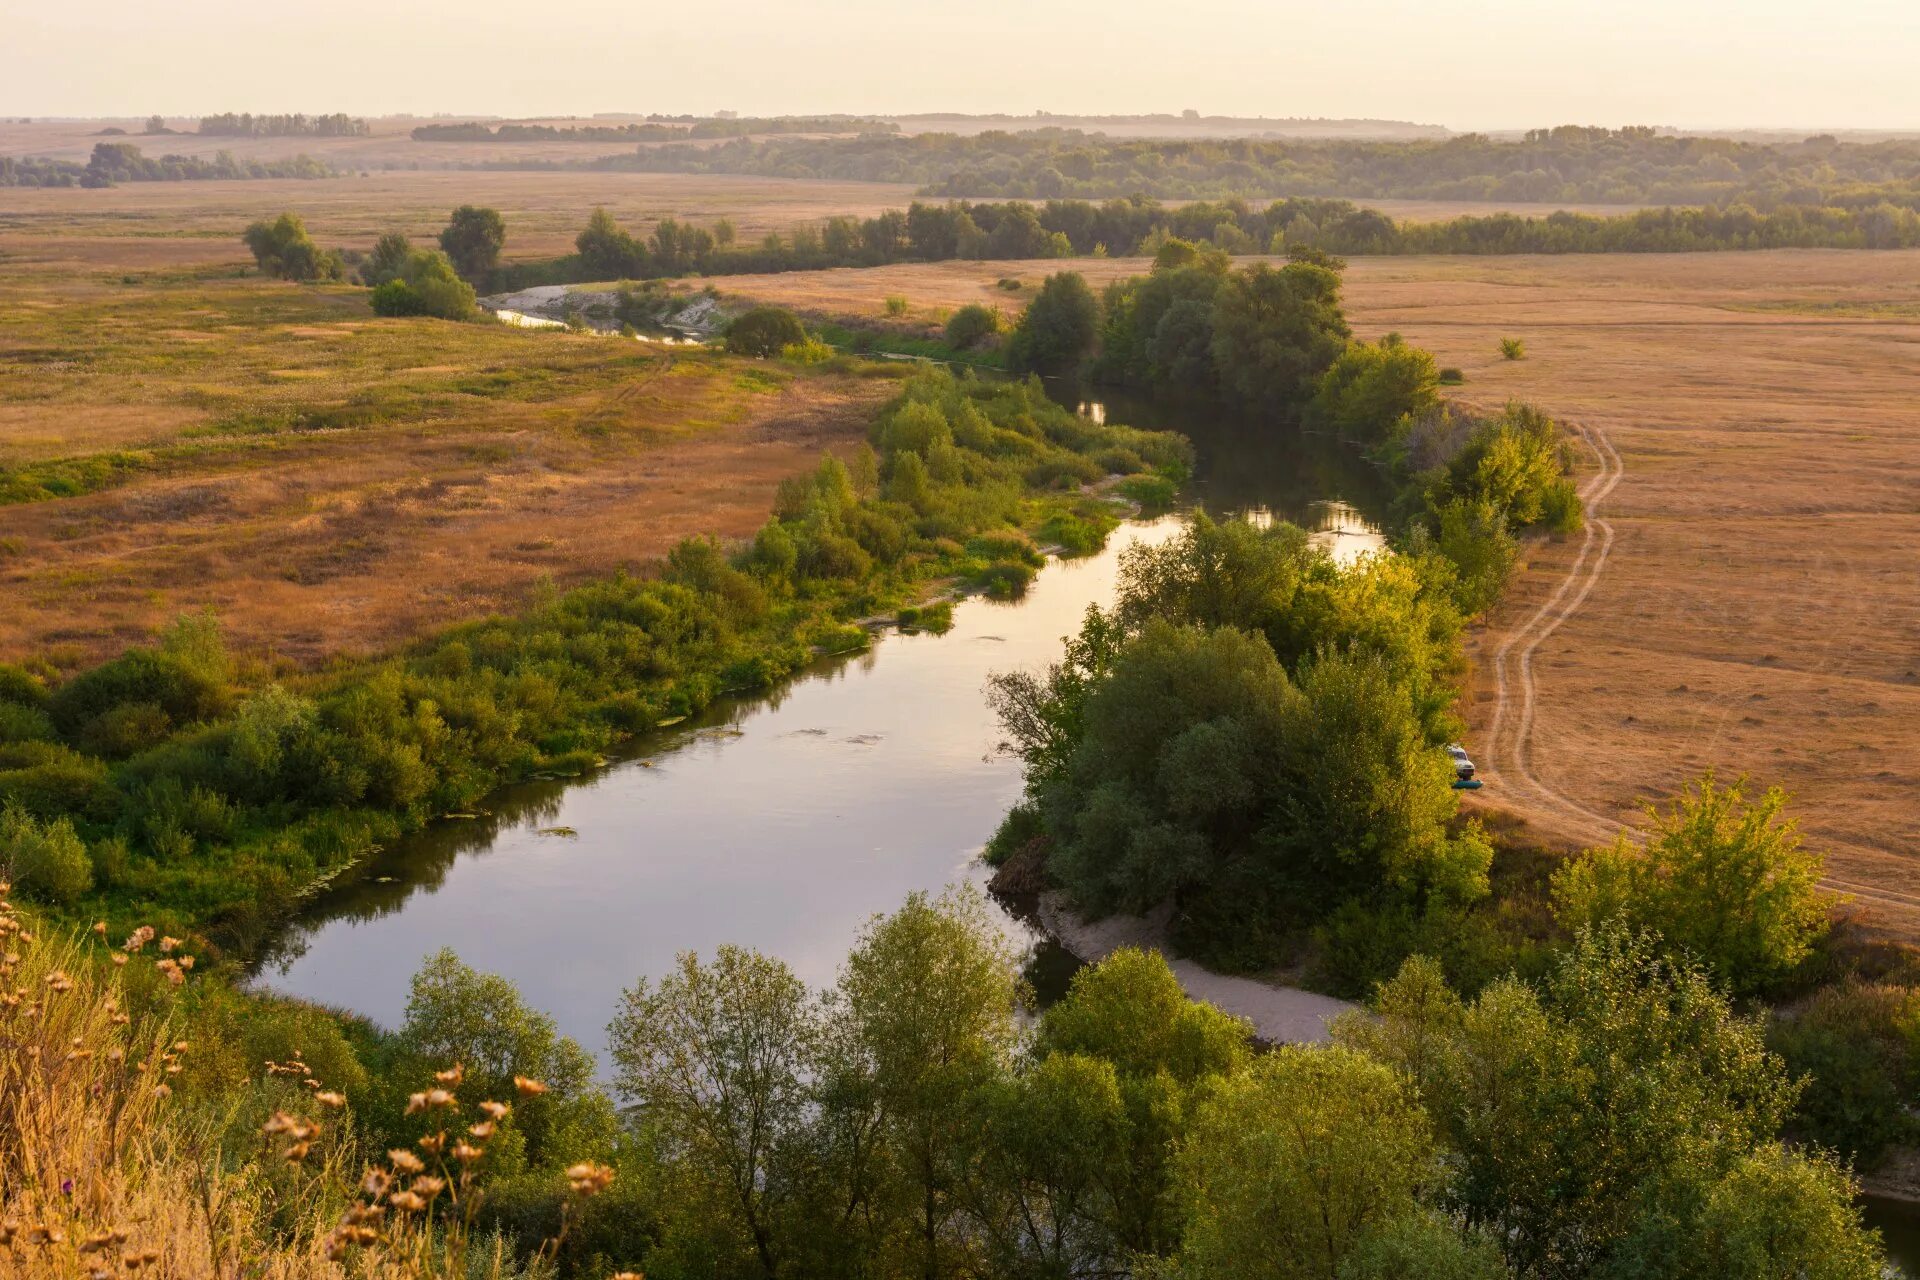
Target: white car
column 1462, row 763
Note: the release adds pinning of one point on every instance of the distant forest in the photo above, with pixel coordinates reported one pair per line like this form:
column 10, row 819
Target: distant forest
column 116, row 162
column 1567, row 164
column 247, row 125
column 658, row 129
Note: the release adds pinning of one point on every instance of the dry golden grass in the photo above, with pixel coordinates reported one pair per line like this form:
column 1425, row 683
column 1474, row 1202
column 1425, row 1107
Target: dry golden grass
column 330, row 481
column 1760, row 611
column 170, row 225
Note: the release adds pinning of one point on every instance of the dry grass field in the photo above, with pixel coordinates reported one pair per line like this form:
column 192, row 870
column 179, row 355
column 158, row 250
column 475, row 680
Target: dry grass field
column 162, row 225
column 1759, row 611
column 332, row 482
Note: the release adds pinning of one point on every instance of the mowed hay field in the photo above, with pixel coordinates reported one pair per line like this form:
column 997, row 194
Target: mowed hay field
column 331, row 482
column 1759, row 611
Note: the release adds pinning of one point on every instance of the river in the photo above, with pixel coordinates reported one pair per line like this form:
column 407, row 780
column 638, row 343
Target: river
column 780, row 821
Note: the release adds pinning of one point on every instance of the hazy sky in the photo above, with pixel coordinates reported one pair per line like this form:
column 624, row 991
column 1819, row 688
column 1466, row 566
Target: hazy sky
column 1463, row 63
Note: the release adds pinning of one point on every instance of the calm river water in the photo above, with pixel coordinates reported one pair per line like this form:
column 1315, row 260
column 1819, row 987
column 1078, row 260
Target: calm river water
column 781, row 821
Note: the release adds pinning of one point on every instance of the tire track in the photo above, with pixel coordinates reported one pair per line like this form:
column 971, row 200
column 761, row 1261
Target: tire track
column 1565, row 601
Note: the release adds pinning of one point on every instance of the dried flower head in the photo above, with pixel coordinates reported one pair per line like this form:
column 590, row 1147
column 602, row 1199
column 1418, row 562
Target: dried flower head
column 528, row 1088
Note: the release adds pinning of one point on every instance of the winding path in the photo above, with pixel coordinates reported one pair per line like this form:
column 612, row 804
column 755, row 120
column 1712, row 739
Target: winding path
column 1510, row 754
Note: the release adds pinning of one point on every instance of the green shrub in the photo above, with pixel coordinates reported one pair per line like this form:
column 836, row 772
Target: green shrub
column 1512, row 348
column 936, row 617
column 896, row 305
column 1858, row 1046
column 427, row 285
column 1005, row 580
column 1451, row 376
column 1152, row 492
column 48, row 861
column 970, row 324
column 764, row 331
column 811, row 351
column 1005, row 544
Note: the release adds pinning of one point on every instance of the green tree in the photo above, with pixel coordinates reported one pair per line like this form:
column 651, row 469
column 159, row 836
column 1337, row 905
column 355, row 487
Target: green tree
column 1856, row 1046
column 607, row 250
column 388, row 261
column 1370, row 391
column 472, row 240
column 1129, row 1012
column 764, row 331
column 1725, row 880
column 457, row 1016
column 1276, row 331
column 927, row 1000
column 1422, row 1246
column 717, row 1059
column 1572, row 1108
column 1059, row 329
column 1774, row 1213
column 284, row 250
column 1290, row 1164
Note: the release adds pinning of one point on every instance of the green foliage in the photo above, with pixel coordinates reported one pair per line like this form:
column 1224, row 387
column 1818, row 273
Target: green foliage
column 1857, row 1046
column 1572, row 1109
column 1276, row 331
column 46, row 859
column 285, row 251
column 472, row 240
column 427, row 285
column 1774, row 1213
column 1720, row 879
column 1290, row 1165
column 1058, row 331
column 1369, row 391
column 896, row 304
column 1152, row 492
column 1512, row 348
column 764, row 331
column 1422, row 1246
column 387, row 262
column 970, row 325
column 607, row 252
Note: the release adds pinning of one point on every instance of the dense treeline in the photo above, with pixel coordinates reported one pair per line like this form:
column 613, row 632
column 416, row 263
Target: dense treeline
column 166, row 786
column 655, row 129
column 114, row 162
column 247, row 125
column 931, row 232
column 1569, row 164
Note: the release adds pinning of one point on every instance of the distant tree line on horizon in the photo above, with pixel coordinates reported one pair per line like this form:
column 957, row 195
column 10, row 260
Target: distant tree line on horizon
column 245, row 124
column 116, row 162
column 654, row 130
column 1565, row 164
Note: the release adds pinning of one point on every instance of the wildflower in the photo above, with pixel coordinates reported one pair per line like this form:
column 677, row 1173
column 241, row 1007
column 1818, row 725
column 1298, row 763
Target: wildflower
column 100, row 928
column 528, row 1088
column 466, row 1153
column 404, row 1161
column 407, row 1202
column 168, row 944
column 375, row 1183
column 162, row 1090
column 298, row 1152
column 434, row 1143
column 482, row 1131
column 416, row 1103
column 588, row 1178
column 139, row 938
column 441, row 1098
column 119, row 959
column 42, row 1234
column 495, row 1110
column 59, row 981
column 181, row 1046
column 186, row 962
column 278, row 1122
column 121, row 1019
column 330, row 1099
column 452, row 1075
column 429, row 1186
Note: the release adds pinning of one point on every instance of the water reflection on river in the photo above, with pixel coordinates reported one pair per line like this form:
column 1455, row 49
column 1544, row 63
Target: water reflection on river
column 781, row 822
